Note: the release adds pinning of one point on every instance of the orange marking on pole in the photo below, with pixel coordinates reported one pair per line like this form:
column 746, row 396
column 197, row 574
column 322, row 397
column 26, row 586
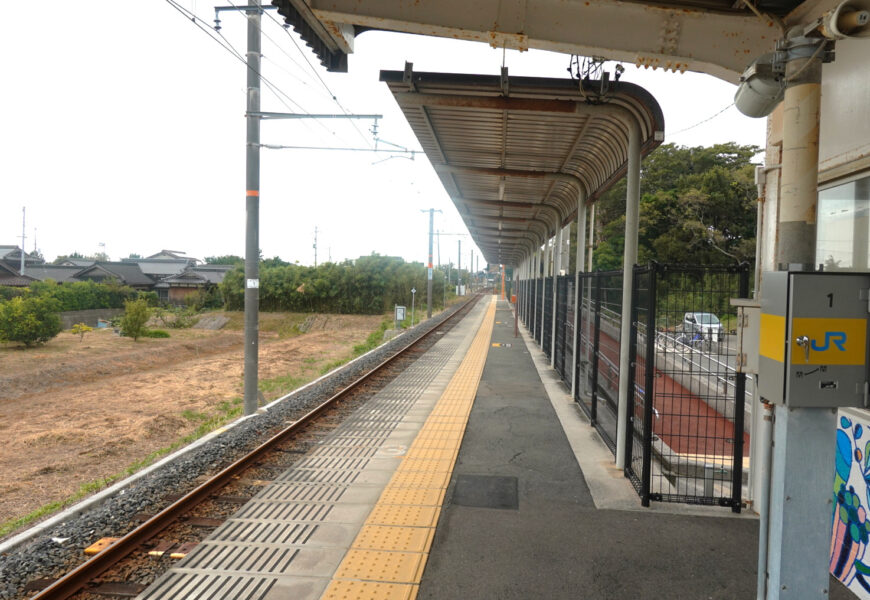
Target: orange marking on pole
column 252, row 193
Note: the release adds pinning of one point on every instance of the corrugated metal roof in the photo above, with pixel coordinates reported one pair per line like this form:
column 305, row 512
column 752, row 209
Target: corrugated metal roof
column 516, row 153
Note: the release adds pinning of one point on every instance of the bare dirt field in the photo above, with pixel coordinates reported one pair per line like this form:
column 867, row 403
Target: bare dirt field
column 74, row 412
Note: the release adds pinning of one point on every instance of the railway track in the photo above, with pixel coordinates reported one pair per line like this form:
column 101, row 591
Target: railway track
column 119, row 568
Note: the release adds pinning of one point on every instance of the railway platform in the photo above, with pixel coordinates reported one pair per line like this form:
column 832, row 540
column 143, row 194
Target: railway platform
column 471, row 475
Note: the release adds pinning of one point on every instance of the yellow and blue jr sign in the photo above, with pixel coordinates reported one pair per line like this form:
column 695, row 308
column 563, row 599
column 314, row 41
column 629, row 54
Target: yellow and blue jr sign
column 831, row 341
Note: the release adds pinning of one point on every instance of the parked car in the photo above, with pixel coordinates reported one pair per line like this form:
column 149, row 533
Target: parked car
column 707, row 324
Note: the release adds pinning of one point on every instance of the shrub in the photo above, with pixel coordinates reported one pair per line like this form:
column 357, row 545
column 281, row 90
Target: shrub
column 176, row 317
column 29, row 320
column 155, row 333
column 80, row 329
column 136, row 313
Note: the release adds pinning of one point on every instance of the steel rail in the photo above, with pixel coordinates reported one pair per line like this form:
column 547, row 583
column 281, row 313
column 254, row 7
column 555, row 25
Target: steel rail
column 78, row 578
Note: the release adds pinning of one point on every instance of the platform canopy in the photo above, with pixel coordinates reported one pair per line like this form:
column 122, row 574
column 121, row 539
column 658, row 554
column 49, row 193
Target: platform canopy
column 719, row 37
column 518, row 155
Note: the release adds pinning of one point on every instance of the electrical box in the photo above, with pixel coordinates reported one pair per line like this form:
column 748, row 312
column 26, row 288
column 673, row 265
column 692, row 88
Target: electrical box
column 748, row 330
column 813, row 342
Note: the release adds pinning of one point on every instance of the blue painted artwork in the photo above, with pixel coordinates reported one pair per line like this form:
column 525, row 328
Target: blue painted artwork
column 850, row 529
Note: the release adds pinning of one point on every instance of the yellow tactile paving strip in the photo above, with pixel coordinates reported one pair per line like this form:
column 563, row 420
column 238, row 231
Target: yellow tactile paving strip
column 387, row 558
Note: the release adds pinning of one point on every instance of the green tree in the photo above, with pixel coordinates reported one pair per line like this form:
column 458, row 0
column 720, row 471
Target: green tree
column 698, row 206
column 227, row 259
column 64, row 257
column 136, row 313
column 80, row 329
column 29, row 320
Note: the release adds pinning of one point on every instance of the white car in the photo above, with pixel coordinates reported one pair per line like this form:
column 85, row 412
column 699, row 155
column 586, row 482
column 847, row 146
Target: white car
column 706, row 324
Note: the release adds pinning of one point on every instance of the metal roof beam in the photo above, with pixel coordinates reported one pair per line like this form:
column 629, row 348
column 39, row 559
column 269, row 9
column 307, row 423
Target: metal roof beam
column 677, row 38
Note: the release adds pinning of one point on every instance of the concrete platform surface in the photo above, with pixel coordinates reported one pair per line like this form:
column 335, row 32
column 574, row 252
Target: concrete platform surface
column 554, row 540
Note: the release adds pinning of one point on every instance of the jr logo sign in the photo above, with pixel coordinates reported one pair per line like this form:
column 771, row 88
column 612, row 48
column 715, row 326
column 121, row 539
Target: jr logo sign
column 832, row 341
column 838, row 338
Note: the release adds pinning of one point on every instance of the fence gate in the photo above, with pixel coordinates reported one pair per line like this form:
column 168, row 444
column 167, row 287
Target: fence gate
column 686, row 409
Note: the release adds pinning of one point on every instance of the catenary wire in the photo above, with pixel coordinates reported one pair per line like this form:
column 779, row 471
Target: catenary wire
column 226, row 45
column 710, row 118
column 317, row 74
column 304, row 56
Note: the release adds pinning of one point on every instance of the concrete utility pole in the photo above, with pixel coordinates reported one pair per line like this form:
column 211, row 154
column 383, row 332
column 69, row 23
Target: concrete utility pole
column 23, row 237
column 431, row 212
column 470, row 270
column 254, row 116
column 252, row 206
column 315, row 246
column 459, row 269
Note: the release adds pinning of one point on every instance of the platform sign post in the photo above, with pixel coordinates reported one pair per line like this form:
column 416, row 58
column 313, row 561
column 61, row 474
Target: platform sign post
column 400, row 314
column 413, row 296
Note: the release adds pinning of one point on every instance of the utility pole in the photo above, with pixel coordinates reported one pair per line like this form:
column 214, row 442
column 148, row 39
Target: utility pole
column 23, row 237
column 315, row 246
column 470, row 270
column 253, row 117
column 459, row 270
column 431, row 212
column 252, row 206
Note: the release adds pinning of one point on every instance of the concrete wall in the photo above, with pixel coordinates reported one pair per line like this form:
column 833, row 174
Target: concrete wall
column 844, row 142
column 88, row 317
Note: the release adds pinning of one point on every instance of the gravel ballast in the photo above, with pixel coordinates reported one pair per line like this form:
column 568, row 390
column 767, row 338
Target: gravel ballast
column 58, row 548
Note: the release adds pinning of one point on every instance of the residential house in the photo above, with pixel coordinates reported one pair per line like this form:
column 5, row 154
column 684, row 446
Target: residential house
column 11, row 257
column 123, row 272
column 173, row 255
column 170, row 273
column 10, row 277
column 175, row 288
column 81, row 263
column 58, row 273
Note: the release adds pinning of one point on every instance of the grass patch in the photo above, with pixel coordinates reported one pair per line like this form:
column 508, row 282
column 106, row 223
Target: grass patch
column 374, row 340
column 226, row 411
column 192, row 415
column 286, row 325
column 281, row 385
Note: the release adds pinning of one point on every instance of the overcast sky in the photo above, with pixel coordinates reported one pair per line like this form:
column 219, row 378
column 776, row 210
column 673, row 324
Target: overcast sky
column 123, row 124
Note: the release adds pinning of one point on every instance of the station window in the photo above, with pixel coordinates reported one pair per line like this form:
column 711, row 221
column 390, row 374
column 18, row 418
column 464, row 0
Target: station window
column 843, row 233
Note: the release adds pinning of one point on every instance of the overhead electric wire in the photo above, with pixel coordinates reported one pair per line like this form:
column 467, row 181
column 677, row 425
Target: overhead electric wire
column 317, row 74
column 226, row 45
column 313, row 70
column 710, row 118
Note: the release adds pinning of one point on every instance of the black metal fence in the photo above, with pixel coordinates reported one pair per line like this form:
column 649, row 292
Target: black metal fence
column 686, row 415
column 564, row 347
column 547, row 345
column 685, row 423
column 597, row 389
